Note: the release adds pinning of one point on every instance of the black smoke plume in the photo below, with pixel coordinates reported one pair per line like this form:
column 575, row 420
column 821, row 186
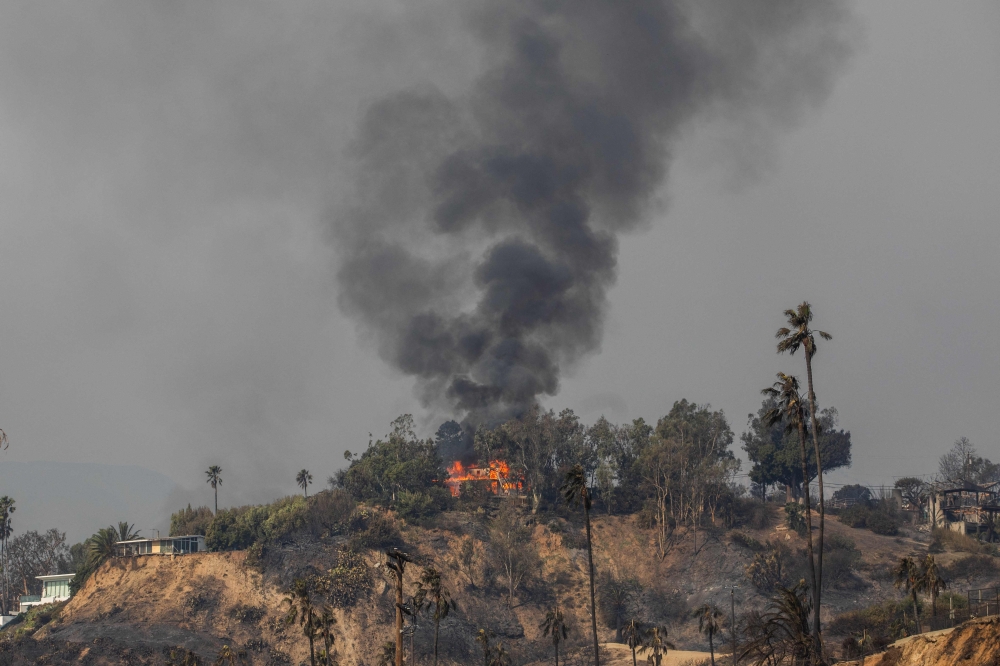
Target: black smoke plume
column 481, row 242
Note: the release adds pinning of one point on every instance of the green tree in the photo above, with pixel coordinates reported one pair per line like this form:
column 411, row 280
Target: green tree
column 791, row 338
column 709, row 622
column 907, row 577
column 432, row 595
column 303, row 479
column 554, row 625
column 302, row 612
column 575, row 491
column 633, row 633
column 789, row 409
column 963, row 467
column 214, row 474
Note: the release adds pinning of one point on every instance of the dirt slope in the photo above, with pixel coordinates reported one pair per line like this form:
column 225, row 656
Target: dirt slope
column 975, row 643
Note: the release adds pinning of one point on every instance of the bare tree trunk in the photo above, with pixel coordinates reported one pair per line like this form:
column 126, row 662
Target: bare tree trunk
column 437, row 623
column 809, row 540
column 822, row 503
column 593, row 600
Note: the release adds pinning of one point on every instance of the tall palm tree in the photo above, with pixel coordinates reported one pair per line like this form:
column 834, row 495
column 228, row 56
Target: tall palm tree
column 434, row 596
column 798, row 334
column 907, row 578
column 574, row 489
column 931, row 581
column 214, row 474
column 790, row 409
column 304, row 478
column 554, row 625
column 709, row 623
column 633, row 633
column 102, row 546
column 6, row 508
column 656, row 640
column 302, row 612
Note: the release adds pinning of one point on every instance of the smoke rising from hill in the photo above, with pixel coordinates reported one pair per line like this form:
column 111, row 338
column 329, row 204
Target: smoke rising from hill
column 481, row 239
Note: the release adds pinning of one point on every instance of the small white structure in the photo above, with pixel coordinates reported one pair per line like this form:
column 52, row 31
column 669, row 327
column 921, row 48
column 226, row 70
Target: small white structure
column 55, row 588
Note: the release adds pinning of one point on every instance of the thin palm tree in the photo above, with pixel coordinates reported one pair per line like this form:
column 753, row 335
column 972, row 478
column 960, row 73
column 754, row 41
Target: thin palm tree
column 304, row 478
column 302, row 612
column 434, row 596
column 633, row 633
column 214, row 474
column 790, row 409
column 931, row 581
column 798, row 334
column 554, row 625
column 226, row 655
column 907, row 578
column 6, row 508
column 709, row 623
column 574, row 489
column 656, row 640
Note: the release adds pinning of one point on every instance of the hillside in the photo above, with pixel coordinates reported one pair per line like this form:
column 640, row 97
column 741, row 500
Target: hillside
column 203, row 601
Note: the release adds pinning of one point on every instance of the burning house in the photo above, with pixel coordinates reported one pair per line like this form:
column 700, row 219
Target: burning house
column 496, row 478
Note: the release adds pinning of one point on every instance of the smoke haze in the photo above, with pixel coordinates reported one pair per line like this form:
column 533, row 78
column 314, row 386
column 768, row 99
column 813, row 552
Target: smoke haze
column 483, row 235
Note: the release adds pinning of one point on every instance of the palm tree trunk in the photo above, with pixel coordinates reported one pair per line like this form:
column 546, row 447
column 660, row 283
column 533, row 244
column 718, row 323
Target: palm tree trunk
column 916, row 616
column 593, row 601
column 822, row 503
column 557, row 653
column 633, row 655
column 437, row 622
column 711, row 648
column 809, row 527
column 216, row 500
column 312, row 651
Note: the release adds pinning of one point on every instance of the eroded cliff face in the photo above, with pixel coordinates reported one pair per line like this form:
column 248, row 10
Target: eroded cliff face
column 975, row 643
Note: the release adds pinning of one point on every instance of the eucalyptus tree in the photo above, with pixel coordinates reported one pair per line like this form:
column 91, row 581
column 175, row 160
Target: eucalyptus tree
column 791, row 338
column 789, row 408
column 575, row 490
column 434, row 596
column 214, row 474
column 554, row 625
column 709, row 623
column 303, row 479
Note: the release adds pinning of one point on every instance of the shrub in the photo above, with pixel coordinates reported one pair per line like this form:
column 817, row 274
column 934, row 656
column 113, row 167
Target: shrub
column 795, row 518
column 945, row 539
column 248, row 614
column 347, row 582
column 746, row 541
column 190, row 521
column 329, row 511
column 856, row 516
column 417, row 505
column 666, row 606
column 881, row 522
column 840, row 562
column 371, row 529
column 767, row 570
column 884, row 622
column 970, row 568
column 242, row 527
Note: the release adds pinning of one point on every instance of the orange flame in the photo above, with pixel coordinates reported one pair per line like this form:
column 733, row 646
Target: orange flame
column 497, row 475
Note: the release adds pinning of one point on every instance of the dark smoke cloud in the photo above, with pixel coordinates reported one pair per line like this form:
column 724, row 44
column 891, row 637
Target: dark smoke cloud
column 481, row 243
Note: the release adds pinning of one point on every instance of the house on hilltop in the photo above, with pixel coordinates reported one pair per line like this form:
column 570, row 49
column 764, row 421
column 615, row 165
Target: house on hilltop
column 55, row 588
column 175, row 545
column 967, row 509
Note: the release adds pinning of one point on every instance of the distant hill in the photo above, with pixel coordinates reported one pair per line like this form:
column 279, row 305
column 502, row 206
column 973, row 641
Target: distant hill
column 79, row 498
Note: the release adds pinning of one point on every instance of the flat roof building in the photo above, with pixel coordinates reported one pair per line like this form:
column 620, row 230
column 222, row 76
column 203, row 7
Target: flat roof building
column 175, row 545
column 55, row 588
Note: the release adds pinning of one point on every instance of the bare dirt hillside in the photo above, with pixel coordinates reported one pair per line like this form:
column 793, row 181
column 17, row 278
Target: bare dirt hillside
column 976, row 642
column 204, row 601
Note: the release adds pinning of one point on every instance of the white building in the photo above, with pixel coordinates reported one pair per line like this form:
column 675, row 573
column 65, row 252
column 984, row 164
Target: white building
column 55, row 588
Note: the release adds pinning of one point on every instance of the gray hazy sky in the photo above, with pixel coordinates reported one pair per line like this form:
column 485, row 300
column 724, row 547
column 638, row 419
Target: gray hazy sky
column 167, row 278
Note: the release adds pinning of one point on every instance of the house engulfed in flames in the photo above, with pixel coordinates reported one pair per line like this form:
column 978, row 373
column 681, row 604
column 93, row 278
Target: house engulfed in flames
column 496, row 477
